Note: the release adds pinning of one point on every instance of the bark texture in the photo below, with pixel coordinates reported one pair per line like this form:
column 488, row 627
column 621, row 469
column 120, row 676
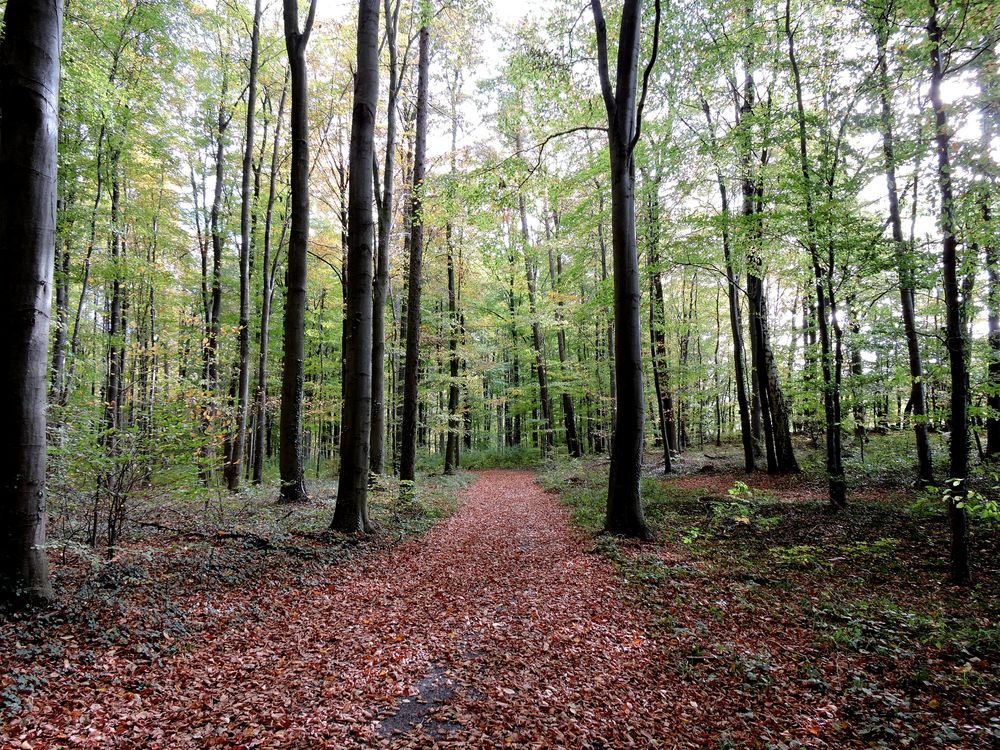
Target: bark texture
column 29, row 106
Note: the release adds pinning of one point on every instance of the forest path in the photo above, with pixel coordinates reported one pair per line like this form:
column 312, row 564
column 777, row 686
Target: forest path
column 496, row 629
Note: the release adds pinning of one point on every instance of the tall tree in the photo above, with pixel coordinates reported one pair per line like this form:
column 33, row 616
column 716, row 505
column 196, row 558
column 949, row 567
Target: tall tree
column 290, row 456
column 268, row 272
column 380, row 286
column 880, row 19
column 955, row 330
column 29, row 105
column 624, row 507
column 351, row 513
column 233, row 470
column 408, row 447
column 831, row 392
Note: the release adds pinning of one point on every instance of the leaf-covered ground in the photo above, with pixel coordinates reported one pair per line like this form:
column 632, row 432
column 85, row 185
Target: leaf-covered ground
column 505, row 626
column 793, row 627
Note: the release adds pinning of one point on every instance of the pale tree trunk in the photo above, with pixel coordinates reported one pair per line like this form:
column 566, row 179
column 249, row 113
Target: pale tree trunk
column 624, row 506
column 408, row 447
column 541, row 373
column 233, row 469
column 351, row 513
column 293, row 487
column 956, row 343
column 268, row 270
column 29, row 105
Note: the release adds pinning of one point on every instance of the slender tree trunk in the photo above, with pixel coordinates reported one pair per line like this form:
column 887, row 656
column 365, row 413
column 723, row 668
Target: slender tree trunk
column 351, row 513
column 451, row 453
column 573, row 444
column 624, row 506
column 531, row 275
column 381, row 280
column 268, row 269
column 735, row 319
column 904, row 262
column 290, row 456
column 657, row 336
column 956, row 343
column 233, row 470
column 408, row 455
column 834, row 456
column 29, row 102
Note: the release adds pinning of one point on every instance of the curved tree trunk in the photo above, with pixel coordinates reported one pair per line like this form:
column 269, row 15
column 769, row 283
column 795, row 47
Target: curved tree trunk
column 29, row 104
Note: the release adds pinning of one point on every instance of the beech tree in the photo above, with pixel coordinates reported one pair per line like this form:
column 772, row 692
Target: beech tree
column 293, row 373
column 411, row 373
column 624, row 509
column 29, row 105
column 351, row 513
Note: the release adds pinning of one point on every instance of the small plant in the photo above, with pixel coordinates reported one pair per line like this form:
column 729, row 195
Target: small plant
column 800, row 557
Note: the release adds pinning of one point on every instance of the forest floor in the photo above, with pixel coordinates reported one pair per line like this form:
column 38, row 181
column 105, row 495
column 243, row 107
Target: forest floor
column 756, row 621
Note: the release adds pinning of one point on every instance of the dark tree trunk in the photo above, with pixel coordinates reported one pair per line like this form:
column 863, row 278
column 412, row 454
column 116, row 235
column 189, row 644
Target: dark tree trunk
column 408, row 453
column 735, row 319
column 351, row 514
column 657, row 336
column 290, row 457
column 956, row 343
column 904, row 260
column 233, row 470
column 380, row 287
column 624, row 507
column 834, row 455
column 989, row 117
column 573, row 444
column 451, row 452
column 268, row 271
column 29, row 104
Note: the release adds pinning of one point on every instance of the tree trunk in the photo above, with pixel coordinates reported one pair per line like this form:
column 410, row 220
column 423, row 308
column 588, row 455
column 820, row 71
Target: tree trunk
column 451, row 452
column 233, row 470
column 531, row 275
column 29, row 103
column 735, row 321
column 624, row 506
column 380, row 287
column 408, row 454
column 268, row 270
column 904, row 262
column 657, row 336
column 293, row 375
column 834, row 456
column 956, row 344
column 573, row 444
column 351, row 513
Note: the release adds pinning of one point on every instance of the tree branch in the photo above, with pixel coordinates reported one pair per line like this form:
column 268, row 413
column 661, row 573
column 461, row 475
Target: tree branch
column 645, row 81
column 602, row 58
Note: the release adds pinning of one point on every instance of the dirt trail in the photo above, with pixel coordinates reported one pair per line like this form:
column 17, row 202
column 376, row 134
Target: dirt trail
column 497, row 628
